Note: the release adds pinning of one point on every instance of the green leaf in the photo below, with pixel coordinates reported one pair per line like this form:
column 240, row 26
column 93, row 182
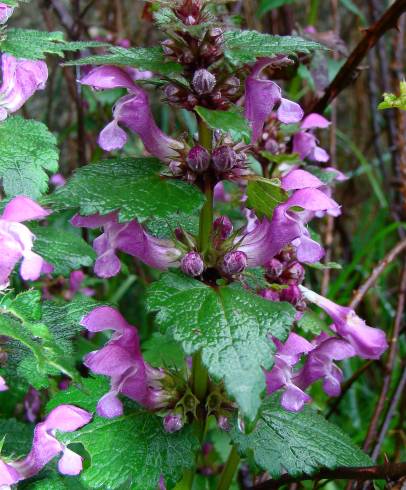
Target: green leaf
column 312, row 323
column 66, row 251
column 84, row 395
column 133, row 186
column 350, row 5
column 264, row 195
column 392, row 101
column 134, row 450
column 152, row 59
column 243, row 47
column 267, row 5
column 32, row 44
column 55, row 481
column 162, row 351
column 301, row 442
column 229, row 325
column 26, row 306
column 231, row 121
column 27, row 151
column 17, row 437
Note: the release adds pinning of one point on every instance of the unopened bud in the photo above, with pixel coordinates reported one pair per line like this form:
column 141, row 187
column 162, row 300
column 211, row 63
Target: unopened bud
column 172, row 93
column 203, row 81
column 223, row 423
column 198, row 159
column 291, row 294
column 274, row 269
column 232, row 85
column 270, row 294
column 234, row 262
column 192, row 264
column 173, row 422
column 295, row 273
column 224, row 158
column 176, row 168
column 168, row 47
column 216, row 33
column 223, row 227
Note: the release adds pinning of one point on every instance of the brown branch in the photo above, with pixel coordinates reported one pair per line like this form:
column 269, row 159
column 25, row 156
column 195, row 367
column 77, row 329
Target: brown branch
column 371, row 37
column 391, row 471
column 363, row 289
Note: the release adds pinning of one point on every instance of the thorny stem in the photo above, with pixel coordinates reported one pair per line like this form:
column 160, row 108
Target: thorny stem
column 229, row 470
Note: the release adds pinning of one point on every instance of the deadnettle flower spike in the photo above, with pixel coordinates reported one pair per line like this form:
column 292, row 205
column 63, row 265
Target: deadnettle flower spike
column 203, row 82
column 5, row 12
column 21, row 79
column 198, row 159
column 224, row 158
column 16, row 240
column 192, row 264
column 234, row 262
column 368, row 342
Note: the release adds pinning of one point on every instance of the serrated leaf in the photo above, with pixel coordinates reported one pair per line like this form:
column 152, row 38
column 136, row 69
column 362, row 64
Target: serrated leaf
column 297, row 442
column 17, row 437
column 267, row 5
column 264, row 195
column 133, row 186
column 27, row 151
column 85, row 395
column 162, row 351
column 26, row 306
column 134, row 450
column 231, row 121
column 243, row 47
column 66, row 251
column 152, row 59
column 230, row 326
column 55, row 481
column 32, row 44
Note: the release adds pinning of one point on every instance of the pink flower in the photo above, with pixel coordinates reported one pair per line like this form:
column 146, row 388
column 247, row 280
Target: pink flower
column 21, row 79
column 368, row 342
column 132, row 111
column 130, row 238
column 45, row 447
column 5, row 12
column 122, row 361
column 262, row 97
column 3, row 385
column 16, row 240
column 305, row 143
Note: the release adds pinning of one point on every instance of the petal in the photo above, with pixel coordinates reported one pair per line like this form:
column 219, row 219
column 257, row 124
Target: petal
column 315, row 120
column 5, row 12
column 112, row 137
column 108, row 77
column 70, row 463
column 311, row 200
column 318, row 154
column 31, row 266
column 293, row 399
column 104, row 318
column 8, row 474
column 308, row 250
column 23, row 208
column 303, row 144
column 3, row 386
column 300, row 179
column 93, row 221
column 67, row 418
column 289, row 112
column 107, row 265
column 110, row 406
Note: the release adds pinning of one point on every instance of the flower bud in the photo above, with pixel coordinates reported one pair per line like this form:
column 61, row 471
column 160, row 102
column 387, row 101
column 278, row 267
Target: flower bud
column 223, row 227
column 232, row 85
column 234, row 262
column 176, row 168
column 291, row 294
column 224, row 158
column 192, row 264
column 172, row 93
column 223, row 423
column 274, row 269
column 294, row 274
column 173, row 422
column 270, row 294
column 203, row 81
column 168, row 47
column 216, row 33
column 198, row 159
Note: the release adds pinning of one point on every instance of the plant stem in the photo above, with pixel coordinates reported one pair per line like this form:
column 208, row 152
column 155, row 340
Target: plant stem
column 199, row 377
column 229, row 470
column 314, row 8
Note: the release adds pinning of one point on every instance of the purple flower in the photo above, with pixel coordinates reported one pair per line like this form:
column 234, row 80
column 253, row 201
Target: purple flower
column 3, row 385
column 45, row 447
column 58, row 180
column 21, row 79
column 305, row 143
column 122, row 361
column 32, row 405
column 222, row 227
column 173, row 422
column 132, row 111
column 319, row 364
column 262, row 97
column 256, row 243
column 130, row 238
column 16, row 240
column 282, row 376
column 368, row 342
column 5, row 12
column 76, row 279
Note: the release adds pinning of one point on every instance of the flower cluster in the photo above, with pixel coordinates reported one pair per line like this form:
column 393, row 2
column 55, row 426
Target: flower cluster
column 45, row 447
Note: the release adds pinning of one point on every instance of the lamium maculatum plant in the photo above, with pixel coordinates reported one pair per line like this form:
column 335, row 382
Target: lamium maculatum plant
column 161, row 317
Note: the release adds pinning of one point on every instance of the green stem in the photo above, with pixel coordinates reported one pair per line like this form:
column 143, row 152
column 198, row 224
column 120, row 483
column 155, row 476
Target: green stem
column 313, row 14
column 200, row 379
column 229, row 470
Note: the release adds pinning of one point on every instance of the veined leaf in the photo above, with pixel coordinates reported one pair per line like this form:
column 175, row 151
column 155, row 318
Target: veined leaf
column 231, row 121
column 264, row 195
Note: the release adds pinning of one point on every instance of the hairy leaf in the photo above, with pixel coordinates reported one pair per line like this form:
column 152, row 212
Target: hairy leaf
column 264, row 195
column 243, row 47
column 134, row 450
column 66, row 251
column 27, row 151
column 133, row 186
column 302, row 442
column 17, row 437
column 229, row 325
column 152, row 59
column 32, row 44
column 162, row 351
column 231, row 121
